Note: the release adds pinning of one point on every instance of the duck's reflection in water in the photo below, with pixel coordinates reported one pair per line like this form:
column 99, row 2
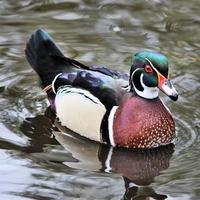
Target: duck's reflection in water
column 139, row 167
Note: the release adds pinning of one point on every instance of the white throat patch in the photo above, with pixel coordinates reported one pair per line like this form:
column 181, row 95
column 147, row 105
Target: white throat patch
column 148, row 92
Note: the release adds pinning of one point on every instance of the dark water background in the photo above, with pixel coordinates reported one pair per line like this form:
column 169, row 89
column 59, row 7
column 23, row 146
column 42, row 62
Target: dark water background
column 106, row 32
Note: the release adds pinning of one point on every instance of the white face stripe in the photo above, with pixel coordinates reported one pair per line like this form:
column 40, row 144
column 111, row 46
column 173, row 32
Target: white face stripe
column 148, row 92
column 110, row 124
column 152, row 66
column 158, row 73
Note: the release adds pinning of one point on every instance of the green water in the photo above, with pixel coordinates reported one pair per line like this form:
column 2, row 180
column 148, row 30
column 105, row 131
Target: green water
column 33, row 163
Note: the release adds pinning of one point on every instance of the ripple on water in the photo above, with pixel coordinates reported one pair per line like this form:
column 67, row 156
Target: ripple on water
column 9, row 136
column 186, row 135
column 69, row 16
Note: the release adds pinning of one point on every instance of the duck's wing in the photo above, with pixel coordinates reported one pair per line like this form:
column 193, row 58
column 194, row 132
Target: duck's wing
column 110, row 72
column 101, row 69
column 107, row 89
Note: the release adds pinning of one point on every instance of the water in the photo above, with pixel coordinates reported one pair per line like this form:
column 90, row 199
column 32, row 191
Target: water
column 33, row 163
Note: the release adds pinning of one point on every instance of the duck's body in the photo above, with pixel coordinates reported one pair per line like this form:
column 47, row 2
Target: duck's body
column 102, row 104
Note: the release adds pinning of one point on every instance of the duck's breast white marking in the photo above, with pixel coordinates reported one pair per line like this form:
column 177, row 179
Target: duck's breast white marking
column 53, row 82
column 110, row 124
column 80, row 111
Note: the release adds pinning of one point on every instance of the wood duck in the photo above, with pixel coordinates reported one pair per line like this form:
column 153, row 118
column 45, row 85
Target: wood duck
column 103, row 104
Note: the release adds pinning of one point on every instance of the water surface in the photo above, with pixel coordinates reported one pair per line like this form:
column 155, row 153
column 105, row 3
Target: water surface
column 34, row 165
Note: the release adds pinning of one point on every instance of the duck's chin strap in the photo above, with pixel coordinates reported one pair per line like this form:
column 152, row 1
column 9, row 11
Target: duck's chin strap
column 148, row 92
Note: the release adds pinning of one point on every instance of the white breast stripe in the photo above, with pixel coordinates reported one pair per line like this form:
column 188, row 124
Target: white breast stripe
column 110, row 124
column 80, row 111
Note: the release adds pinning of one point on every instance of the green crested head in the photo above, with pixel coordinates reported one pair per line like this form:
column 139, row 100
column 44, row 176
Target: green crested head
column 149, row 73
column 158, row 60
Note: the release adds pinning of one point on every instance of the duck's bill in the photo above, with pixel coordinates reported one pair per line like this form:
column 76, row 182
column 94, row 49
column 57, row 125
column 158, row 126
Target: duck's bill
column 166, row 86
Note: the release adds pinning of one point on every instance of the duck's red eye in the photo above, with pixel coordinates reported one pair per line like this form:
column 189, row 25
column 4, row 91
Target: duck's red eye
column 148, row 69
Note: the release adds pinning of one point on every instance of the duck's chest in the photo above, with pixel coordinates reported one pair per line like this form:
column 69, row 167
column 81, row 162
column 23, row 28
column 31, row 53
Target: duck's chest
column 80, row 111
column 143, row 124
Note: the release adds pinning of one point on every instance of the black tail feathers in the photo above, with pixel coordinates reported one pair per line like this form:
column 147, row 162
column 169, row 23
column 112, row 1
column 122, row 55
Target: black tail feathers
column 45, row 57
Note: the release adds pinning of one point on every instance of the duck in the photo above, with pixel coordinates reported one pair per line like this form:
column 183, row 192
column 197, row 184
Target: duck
column 102, row 104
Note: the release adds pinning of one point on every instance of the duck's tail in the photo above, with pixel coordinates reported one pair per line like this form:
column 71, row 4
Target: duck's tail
column 45, row 57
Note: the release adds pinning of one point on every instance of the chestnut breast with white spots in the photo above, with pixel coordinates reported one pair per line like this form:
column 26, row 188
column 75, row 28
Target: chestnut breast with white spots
column 143, row 124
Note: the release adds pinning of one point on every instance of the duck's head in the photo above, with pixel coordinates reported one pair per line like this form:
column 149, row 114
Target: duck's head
column 149, row 73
